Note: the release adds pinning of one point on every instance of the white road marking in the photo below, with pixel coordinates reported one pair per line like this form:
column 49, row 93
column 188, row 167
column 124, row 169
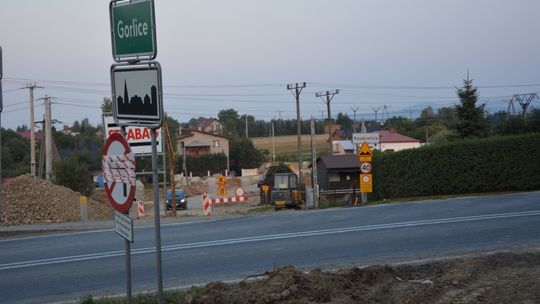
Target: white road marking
column 270, row 237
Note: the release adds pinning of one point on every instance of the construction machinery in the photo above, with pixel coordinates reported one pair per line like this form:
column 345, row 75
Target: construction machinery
column 286, row 192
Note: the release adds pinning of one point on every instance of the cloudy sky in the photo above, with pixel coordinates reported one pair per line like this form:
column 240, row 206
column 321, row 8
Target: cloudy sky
column 241, row 54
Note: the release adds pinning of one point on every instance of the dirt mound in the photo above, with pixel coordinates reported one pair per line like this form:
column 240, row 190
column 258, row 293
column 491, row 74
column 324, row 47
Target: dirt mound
column 498, row 278
column 30, row 200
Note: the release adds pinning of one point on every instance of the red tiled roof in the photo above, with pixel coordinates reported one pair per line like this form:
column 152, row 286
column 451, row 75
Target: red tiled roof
column 389, row 136
column 207, row 122
column 26, row 134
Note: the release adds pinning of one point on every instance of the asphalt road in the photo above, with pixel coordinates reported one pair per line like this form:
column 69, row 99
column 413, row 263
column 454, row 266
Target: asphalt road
column 64, row 267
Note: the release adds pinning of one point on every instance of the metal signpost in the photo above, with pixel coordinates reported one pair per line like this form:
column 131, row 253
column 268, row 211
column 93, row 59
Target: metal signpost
column 365, row 156
column 136, row 85
column 1, row 108
column 119, row 172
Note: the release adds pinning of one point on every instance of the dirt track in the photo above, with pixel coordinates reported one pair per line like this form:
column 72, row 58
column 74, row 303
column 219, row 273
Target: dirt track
column 497, row 278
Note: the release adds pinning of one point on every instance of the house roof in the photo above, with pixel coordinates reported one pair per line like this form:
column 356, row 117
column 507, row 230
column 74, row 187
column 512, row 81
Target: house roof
column 340, row 161
column 207, row 122
column 393, row 137
column 26, row 134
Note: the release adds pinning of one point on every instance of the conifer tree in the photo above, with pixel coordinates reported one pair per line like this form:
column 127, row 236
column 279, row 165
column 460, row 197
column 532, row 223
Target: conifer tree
column 471, row 120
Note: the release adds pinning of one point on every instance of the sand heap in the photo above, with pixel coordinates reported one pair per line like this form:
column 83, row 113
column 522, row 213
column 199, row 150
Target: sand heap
column 30, row 200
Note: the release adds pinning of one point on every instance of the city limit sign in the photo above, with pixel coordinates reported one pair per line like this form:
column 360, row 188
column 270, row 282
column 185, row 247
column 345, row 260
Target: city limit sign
column 137, row 94
column 133, row 30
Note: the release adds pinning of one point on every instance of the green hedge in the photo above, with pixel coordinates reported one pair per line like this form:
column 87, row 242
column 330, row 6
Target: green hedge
column 200, row 165
column 483, row 165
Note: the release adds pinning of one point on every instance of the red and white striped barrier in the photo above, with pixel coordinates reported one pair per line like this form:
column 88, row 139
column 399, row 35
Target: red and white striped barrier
column 140, row 208
column 208, row 202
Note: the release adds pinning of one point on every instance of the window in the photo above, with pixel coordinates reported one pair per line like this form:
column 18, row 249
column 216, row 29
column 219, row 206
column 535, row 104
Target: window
column 216, row 143
column 334, row 178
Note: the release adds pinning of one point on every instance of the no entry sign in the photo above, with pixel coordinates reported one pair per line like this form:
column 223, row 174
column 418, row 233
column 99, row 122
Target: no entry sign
column 119, row 172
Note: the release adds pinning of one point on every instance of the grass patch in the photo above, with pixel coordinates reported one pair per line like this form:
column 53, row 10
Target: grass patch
column 261, row 209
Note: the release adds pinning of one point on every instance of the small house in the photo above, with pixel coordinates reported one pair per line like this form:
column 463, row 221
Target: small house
column 338, row 172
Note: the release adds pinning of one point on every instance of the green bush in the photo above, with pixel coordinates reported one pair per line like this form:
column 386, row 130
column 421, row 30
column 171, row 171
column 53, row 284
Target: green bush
column 74, row 175
column 483, row 165
column 200, row 165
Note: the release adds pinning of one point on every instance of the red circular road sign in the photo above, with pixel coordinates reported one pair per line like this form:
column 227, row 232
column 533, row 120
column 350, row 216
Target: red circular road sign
column 119, row 172
column 365, row 168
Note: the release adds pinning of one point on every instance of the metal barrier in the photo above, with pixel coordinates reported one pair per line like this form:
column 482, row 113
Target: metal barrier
column 339, row 198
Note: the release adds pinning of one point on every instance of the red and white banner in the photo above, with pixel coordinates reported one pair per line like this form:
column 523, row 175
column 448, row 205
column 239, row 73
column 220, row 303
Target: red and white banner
column 209, row 202
column 119, row 168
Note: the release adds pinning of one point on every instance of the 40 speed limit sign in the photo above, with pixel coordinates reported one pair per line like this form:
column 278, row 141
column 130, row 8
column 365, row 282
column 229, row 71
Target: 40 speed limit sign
column 365, row 168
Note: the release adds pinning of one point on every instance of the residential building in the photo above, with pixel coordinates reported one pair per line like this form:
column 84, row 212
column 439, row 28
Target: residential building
column 198, row 143
column 211, row 125
column 393, row 141
column 338, row 172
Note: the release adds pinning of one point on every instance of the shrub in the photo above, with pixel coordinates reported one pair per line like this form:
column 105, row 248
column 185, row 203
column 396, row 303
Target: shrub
column 483, row 165
column 74, row 175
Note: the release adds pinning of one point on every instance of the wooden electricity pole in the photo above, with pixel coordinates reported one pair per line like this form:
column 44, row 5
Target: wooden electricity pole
column 328, row 98
column 296, row 89
column 31, row 88
column 48, row 139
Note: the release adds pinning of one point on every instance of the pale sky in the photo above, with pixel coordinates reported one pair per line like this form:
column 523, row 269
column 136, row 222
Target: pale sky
column 242, row 54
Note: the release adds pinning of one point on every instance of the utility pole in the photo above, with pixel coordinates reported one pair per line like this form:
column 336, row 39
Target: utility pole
column 48, row 138
column 511, row 111
column 273, row 143
column 376, row 110
column 385, row 110
column 296, row 89
column 329, row 96
column 524, row 101
column 31, row 88
column 314, row 181
column 354, row 121
column 247, row 136
column 279, row 112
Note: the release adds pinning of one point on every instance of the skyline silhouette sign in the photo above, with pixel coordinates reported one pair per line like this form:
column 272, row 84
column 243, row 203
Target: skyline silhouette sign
column 137, row 97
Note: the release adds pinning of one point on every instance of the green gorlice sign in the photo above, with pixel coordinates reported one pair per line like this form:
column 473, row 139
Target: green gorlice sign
column 133, row 30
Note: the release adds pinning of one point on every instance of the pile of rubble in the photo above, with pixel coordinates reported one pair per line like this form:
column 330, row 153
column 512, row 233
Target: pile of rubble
column 30, row 200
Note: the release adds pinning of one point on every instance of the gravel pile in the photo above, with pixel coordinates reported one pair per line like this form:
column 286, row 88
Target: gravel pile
column 30, row 200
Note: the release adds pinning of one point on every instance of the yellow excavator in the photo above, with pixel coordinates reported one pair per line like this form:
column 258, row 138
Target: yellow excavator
column 285, row 192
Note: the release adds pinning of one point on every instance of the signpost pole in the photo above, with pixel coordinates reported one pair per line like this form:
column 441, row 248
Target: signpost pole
column 1, row 108
column 128, row 271
column 156, row 215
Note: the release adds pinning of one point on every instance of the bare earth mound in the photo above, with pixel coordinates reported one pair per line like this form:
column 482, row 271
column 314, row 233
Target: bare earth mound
column 497, row 278
column 30, row 200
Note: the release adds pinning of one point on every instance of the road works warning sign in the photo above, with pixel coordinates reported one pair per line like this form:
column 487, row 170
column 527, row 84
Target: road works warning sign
column 365, row 154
